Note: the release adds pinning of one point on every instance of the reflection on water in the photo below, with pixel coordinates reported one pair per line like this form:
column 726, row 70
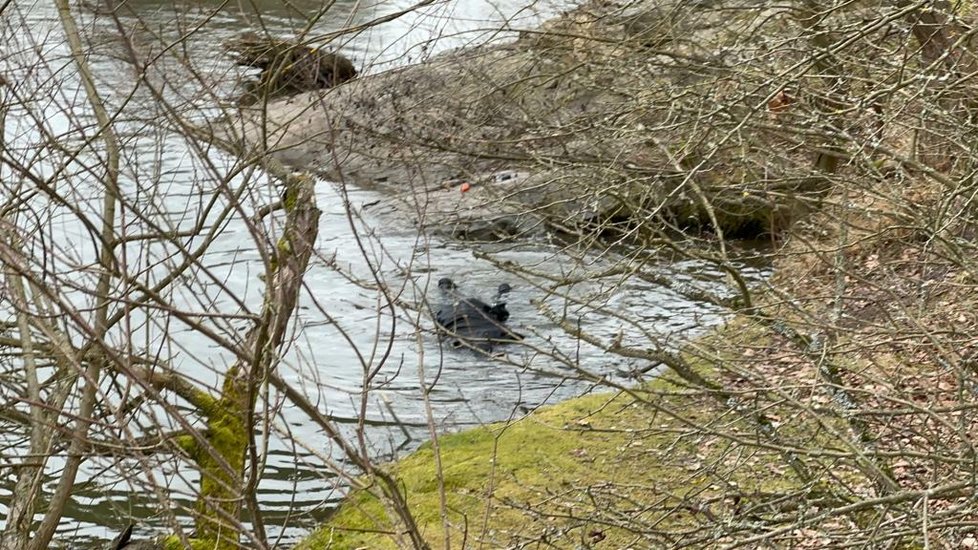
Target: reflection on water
column 339, row 334
column 350, row 25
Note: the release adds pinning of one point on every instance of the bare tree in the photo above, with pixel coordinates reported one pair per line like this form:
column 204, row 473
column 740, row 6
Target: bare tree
column 103, row 277
column 630, row 136
column 838, row 132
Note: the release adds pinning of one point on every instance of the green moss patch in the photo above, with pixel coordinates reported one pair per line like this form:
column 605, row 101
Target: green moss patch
column 619, row 469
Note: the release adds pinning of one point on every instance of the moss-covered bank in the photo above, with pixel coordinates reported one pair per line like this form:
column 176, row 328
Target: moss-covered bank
column 628, row 469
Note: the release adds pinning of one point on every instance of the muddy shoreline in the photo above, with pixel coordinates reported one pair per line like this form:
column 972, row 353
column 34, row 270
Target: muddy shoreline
column 550, row 132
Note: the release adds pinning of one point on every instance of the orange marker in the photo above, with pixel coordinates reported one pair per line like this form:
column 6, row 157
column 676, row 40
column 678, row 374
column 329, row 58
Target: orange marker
column 780, row 102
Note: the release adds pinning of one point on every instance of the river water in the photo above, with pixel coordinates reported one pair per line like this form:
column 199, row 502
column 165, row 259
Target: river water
column 343, row 326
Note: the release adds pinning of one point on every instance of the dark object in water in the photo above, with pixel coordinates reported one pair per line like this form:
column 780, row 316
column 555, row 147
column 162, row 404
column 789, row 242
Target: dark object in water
column 123, row 539
column 124, row 542
column 288, row 66
column 472, row 322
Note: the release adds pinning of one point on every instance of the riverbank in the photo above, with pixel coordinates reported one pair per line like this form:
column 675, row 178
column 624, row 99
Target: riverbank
column 777, row 429
column 567, row 476
column 835, row 408
column 569, row 129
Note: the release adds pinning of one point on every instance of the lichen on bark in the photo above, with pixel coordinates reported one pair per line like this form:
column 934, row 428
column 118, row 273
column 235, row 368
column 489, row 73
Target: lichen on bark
column 220, row 453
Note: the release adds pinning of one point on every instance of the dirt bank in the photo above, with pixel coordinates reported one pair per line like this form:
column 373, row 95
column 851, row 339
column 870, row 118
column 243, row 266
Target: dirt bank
column 578, row 111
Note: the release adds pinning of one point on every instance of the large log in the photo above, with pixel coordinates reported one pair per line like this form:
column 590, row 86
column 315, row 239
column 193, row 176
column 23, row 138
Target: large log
column 289, row 66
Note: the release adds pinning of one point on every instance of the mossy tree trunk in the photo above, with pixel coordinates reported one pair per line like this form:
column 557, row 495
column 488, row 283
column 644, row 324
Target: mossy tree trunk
column 221, row 451
column 944, row 55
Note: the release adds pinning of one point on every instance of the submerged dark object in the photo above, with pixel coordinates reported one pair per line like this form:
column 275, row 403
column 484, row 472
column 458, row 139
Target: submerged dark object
column 472, row 322
column 289, row 66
